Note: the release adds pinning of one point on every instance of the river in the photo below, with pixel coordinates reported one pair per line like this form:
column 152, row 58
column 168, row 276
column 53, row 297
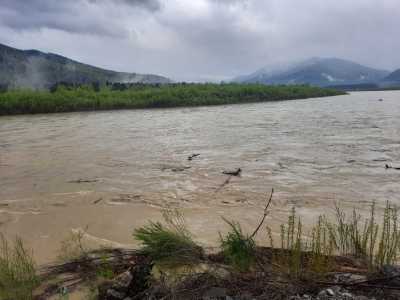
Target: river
column 110, row 171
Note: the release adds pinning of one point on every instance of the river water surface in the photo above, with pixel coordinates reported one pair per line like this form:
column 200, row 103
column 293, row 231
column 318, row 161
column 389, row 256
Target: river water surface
column 113, row 170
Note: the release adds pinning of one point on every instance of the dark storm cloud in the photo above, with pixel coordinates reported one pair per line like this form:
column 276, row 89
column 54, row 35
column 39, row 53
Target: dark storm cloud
column 75, row 16
column 151, row 5
column 213, row 39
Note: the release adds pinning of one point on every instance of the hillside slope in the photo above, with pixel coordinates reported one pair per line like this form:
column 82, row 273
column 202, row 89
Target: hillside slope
column 35, row 69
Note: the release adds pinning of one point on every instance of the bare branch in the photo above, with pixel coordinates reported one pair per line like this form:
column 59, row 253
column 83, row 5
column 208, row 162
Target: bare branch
column 264, row 216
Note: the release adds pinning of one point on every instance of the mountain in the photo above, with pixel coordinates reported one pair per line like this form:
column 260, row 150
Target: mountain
column 393, row 79
column 317, row 71
column 35, row 69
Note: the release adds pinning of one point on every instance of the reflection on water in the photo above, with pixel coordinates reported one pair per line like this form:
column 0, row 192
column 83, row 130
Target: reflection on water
column 315, row 150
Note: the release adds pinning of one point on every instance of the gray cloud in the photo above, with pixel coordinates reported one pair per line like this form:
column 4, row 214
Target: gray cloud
column 75, row 16
column 151, row 5
column 196, row 39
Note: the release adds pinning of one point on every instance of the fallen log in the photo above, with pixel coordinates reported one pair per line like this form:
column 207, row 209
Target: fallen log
column 390, row 167
column 190, row 157
column 236, row 172
column 83, row 181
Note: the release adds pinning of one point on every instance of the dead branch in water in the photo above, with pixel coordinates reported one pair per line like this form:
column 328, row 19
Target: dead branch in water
column 391, row 167
column 83, row 181
column 237, row 172
column 223, row 184
column 193, row 156
column 97, row 201
column 233, row 173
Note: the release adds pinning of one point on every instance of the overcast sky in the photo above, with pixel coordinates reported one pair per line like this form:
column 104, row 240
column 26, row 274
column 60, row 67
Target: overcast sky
column 204, row 39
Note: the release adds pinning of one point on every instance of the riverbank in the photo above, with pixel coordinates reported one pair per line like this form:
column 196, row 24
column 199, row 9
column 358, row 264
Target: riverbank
column 88, row 98
column 341, row 256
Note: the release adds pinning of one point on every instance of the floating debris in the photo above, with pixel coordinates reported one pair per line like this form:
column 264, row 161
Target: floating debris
column 98, row 200
column 390, row 167
column 175, row 169
column 193, row 156
column 83, row 181
column 236, row 172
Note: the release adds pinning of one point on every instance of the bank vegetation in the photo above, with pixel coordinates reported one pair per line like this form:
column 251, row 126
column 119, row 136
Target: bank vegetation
column 64, row 98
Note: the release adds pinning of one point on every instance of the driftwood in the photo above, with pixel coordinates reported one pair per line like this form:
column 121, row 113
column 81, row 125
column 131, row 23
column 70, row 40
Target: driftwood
column 231, row 174
column 237, row 172
column 91, row 261
column 175, row 169
column 83, row 181
column 193, row 156
column 72, row 274
column 390, row 167
column 97, row 201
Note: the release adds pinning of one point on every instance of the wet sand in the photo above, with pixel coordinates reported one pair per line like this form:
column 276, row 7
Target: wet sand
column 110, row 172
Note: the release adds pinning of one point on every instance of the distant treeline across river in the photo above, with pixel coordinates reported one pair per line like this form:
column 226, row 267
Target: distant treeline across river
column 67, row 98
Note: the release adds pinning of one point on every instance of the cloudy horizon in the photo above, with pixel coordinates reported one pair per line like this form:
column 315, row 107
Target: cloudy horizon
column 203, row 40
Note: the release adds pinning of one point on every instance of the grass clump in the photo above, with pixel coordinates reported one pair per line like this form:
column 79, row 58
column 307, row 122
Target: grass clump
column 292, row 244
column 170, row 244
column 321, row 247
column 238, row 248
column 377, row 244
column 389, row 242
column 346, row 235
column 18, row 277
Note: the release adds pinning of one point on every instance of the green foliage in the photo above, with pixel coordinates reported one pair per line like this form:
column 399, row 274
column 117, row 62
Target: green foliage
column 18, row 277
column 292, row 243
column 321, row 247
column 389, row 243
column 238, row 249
column 105, row 270
column 170, row 244
column 150, row 96
column 376, row 245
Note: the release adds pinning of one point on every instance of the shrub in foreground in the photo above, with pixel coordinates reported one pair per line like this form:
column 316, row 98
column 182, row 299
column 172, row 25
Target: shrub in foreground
column 238, row 248
column 170, row 244
column 18, row 277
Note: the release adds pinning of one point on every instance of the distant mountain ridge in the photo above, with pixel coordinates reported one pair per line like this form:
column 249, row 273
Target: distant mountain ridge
column 36, row 69
column 319, row 72
column 393, row 77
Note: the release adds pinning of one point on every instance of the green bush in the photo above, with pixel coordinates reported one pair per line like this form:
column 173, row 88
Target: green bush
column 170, row 244
column 238, row 249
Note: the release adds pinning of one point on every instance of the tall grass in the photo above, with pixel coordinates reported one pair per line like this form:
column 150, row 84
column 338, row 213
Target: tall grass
column 376, row 244
column 170, row 244
column 150, row 96
column 321, row 247
column 292, row 244
column 346, row 235
column 18, row 277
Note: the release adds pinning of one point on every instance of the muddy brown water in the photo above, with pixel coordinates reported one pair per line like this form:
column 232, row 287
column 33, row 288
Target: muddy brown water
column 111, row 171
